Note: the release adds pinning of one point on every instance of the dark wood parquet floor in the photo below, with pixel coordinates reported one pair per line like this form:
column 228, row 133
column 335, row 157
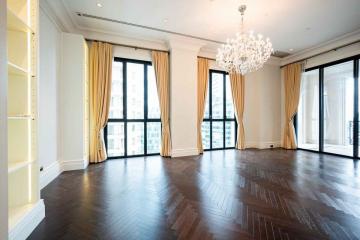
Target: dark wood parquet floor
column 252, row 194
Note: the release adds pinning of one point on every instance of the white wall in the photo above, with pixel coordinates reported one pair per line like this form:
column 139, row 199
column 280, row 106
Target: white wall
column 183, row 98
column 262, row 119
column 49, row 66
column 72, row 103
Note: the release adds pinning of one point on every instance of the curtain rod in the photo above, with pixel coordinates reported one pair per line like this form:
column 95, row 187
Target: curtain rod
column 213, row 59
column 129, row 46
column 318, row 54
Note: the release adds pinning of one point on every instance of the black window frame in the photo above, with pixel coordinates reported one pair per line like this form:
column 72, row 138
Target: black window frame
column 355, row 59
column 225, row 118
column 125, row 120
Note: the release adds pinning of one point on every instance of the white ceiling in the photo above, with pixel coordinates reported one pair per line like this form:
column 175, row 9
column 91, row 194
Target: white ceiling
column 290, row 24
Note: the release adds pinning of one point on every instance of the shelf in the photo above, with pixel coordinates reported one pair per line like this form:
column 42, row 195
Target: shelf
column 21, row 117
column 13, row 167
column 16, row 214
column 14, row 69
column 16, row 24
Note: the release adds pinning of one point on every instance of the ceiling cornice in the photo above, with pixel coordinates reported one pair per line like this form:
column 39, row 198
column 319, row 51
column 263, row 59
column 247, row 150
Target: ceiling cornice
column 66, row 21
column 117, row 38
column 44, row 6
column 60, row 14
column 323, row 47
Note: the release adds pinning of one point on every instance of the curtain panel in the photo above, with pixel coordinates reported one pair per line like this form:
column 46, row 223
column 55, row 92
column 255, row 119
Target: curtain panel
column 237, row 82
column 292, row 81
column 202, row 85
column 160, row 61
column 100, row 70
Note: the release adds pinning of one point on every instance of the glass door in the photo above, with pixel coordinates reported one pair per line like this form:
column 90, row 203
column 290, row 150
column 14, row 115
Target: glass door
column 219, row 125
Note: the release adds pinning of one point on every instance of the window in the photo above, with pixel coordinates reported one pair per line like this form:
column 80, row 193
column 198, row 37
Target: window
column 308, row 112
column 338, row 113
column 219, row 125
column 134, row 126
column 328, row 113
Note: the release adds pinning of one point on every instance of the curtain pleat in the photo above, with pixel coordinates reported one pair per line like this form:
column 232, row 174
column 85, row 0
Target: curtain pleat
column 292, row 81
column 237, row 82
column 203, row 76
column 161, row 66
column 100, row 92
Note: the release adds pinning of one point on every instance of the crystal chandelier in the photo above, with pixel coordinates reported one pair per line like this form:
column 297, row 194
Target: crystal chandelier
column 244, row 53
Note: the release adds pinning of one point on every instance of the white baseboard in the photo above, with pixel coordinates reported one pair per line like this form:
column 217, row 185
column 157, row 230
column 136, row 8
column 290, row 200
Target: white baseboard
column 77, row 164
column 263, row 145
column 49, row 173
column 28, row 222
column 184, row 152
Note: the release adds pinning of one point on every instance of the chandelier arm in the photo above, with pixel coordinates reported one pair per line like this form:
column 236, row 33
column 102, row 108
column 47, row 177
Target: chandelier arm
column 244, row 53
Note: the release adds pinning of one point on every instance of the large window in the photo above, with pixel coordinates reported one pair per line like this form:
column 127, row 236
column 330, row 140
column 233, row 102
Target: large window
column 328, row 114
column 219, row 125
column 134, row 127
column 308, row 112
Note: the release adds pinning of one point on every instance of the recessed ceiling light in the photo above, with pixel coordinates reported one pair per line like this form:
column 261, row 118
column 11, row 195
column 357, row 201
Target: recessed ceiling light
column 99, row 5
column 290, row 50
column 165, row 20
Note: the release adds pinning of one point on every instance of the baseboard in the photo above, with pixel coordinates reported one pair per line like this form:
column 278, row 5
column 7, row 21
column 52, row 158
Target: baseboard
column 263, row 145
column 77, row 164
column 29, row 222
column 184, row 152
column 49, row 173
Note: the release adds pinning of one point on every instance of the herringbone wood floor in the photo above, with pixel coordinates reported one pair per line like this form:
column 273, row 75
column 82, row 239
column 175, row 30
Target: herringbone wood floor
column 252, row 194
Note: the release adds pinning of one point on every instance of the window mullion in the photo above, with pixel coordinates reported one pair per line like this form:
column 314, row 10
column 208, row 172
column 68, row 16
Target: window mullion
column 125, row 106
column 356, row 110
column 145, row 106
column 224, row 109
column 210, row 108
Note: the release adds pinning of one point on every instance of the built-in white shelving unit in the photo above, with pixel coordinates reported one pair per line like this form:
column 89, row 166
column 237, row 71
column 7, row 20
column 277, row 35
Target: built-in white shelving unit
column 26, row 209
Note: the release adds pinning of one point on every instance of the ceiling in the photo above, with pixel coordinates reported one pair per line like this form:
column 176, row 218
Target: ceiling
column 290, row 24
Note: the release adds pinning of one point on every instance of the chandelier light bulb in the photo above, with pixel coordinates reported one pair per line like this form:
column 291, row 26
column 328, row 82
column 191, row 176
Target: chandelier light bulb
column 246, row 52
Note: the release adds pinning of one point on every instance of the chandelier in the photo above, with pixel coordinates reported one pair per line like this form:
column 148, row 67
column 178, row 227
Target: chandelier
column 244, row 53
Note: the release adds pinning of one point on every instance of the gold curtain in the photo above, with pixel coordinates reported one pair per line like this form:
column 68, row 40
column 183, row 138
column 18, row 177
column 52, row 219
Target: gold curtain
column 203, row 76
column 100, row 92
column 292, row 80
column 161, row 66
column 237, row 82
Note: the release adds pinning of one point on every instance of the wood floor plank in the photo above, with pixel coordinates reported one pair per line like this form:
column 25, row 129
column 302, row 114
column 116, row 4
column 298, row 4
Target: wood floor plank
column 250, row 194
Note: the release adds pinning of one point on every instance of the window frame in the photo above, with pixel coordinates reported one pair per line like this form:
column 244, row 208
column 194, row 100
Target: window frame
column 355, row 59
column 125, row 120
column 225, row 118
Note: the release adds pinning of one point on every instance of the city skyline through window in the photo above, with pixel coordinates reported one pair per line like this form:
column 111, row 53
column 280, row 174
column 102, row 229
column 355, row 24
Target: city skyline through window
column 134, row 126
column 219, row 125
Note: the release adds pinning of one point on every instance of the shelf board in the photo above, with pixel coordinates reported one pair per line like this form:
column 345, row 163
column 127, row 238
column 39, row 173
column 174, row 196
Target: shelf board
column 21, row 117
column 13, row 167
column 16, row 24
column 14, row 69
column 16, row 214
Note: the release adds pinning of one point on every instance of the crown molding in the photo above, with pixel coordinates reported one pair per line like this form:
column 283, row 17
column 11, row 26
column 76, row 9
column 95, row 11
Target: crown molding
column 323, row 47
column 185, row 43
column 59, row 14
column 117, row 38
column 44, row 6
